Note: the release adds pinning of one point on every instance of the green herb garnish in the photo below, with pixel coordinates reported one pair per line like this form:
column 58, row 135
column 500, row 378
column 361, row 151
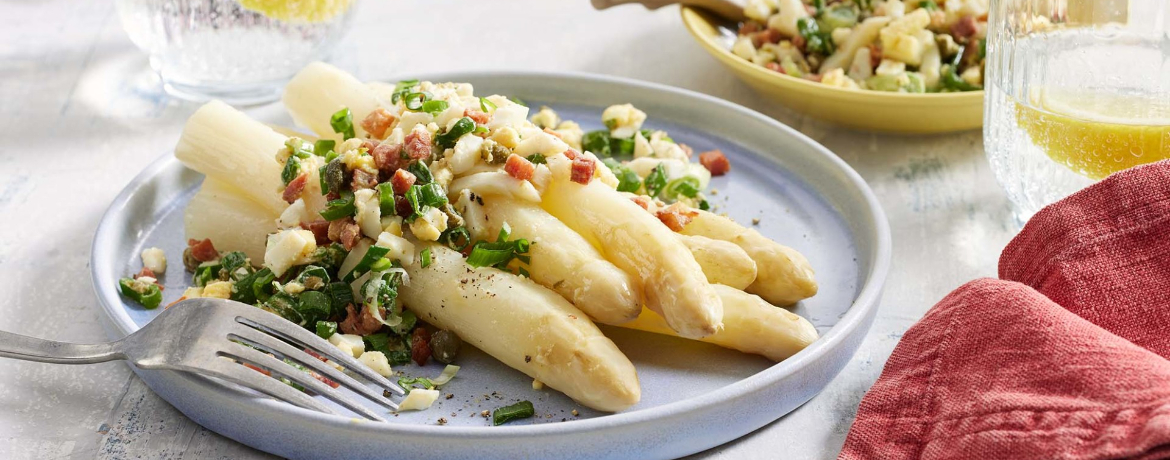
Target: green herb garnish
column 520, row 410
column 342, row 123
column 425, row 257
column 323, row 146
column 326, row 329
column 340, row 208
column 656, row 180
column 463, row 126
column 149, row 295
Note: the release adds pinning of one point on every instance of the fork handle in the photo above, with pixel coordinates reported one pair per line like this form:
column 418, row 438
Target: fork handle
column 47, row 351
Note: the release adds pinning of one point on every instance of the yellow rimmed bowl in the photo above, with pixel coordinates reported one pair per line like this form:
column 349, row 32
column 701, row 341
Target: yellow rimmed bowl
column 867, row 110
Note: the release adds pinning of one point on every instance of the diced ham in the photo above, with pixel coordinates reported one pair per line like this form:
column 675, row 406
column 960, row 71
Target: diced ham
column 363, row 180
column 202, row 251
column 316, row 355
column 687, row 149
column 361, row 323
column 554, row 133
column 767, row 36
column 378, row 121
column 420, row 346
column 332, row 195
column 320, row 229
column 294, row 188
column 583, row 169
column 716, row 162
column 676, row 216
column 369, row 144
column 799, row 42
column 402, row 181
column 775, row 67
column 324, row 379
column 478, row 116
column 641, row 200
column 257, row 369
column 875, row 55
column 145, row 272
column 402, row 207
column 519, row 167
column 345, row 231
column 571, row 154
column 964, row 28
column 813, row 77
column 749, row 27
column 387, row 157
column 417, row 144
column 351, row 233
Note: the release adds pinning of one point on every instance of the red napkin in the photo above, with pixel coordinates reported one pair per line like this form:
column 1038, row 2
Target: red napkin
column 1064, row 358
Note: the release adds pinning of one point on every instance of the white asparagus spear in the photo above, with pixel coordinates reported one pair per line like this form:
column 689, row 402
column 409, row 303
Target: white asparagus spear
column 524, row 325
column 723, row 262
column 226, row 144
column 783, row 275
column 561, row 259
column 319, row 90
column 673, row 283
column 750, row 325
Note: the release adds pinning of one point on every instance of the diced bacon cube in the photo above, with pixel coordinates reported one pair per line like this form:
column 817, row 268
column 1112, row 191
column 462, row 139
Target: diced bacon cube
column 749, row 27
column 294, row 188
column 641, row 200
column 363, row 180
column 676, row 216
column 519, row 167
column 775, row 67
column 378, row 121
column 320, row 229
column 964, row 28
column 402, row 181
column 716, row 162
column 351, row 232
column 418, row 144
column 478, row 116
column 202, row 251
column 369, row 144
column 387, row 157
column 583, row 169
column 571, row 154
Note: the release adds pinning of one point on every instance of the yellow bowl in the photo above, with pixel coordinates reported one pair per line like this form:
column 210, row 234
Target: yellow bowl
column 869, row 110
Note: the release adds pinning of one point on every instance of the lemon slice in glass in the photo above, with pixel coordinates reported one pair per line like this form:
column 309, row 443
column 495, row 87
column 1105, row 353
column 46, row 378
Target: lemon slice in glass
column 1097, row 133
column 298, row 10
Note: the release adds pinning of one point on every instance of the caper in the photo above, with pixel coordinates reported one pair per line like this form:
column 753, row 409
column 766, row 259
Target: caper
column 445, row 346
column 189, row 261
column 335, row 175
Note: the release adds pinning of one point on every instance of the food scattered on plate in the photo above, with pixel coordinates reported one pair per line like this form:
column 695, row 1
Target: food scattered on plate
column 913, row 46
column 419, row 216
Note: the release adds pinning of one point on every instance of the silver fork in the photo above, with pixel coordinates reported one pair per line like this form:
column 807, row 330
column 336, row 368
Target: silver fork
column 197, row 335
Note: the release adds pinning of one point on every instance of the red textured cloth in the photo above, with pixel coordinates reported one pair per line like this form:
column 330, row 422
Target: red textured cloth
column 1064, row 357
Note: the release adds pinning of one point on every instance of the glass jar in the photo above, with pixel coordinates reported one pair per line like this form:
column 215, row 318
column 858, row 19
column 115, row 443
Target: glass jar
column 1076, row 90
column 223, row 49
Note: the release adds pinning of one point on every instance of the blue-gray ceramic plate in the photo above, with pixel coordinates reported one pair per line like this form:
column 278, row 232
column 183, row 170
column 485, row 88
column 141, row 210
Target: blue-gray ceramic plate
column 694, row 396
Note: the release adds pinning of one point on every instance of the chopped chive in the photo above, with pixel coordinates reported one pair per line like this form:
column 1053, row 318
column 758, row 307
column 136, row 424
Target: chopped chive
column 655, row 181
column 149, row 295
column 480, row 130
column 386, row 199
column 425, row 257
column 372, row 256
column 687, row 186
column 704, row 206
column 323, row 146
column 415, row 101
column 520, row 410
column 340, row 208
column 381, row 265
column 342, row 123
column 463, row 126
column 434, row 107
column 628, row 180
column 486, row 105
column 537, row 159
column 326, row 329
column 292, row 169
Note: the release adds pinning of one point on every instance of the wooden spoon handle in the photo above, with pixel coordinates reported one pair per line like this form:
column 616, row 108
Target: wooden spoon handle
column 724, row 8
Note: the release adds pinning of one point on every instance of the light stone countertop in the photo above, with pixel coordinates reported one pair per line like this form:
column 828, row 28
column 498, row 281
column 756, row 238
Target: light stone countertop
column 81, row 116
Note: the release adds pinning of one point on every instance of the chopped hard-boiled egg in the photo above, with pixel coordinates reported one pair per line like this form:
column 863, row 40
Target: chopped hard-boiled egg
column 287, row 248
column 623, row 120
column 155, row 260
column 377, row 361
column 349, row 343
column 419, row 399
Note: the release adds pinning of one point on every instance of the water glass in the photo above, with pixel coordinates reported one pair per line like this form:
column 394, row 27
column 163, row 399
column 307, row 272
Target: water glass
column 222, row 49
column 1076, row 90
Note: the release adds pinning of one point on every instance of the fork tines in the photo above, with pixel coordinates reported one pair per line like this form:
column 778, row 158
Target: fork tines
column 256, row 333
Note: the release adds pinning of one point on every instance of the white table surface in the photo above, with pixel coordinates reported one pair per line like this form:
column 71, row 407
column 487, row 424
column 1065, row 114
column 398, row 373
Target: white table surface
column 80, row 115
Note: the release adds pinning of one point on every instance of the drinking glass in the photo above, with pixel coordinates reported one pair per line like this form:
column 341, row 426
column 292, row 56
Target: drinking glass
column 238, row 52
column 1076, row 90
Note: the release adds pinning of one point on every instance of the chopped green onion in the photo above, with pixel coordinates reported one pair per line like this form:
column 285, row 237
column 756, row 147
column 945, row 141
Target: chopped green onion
column 456, row 238
column 381, row 265
column 816, row 41
column 434, row 107
column 610, row 123
column 298, row 147
column 422, row 174
column 207, row 272
column 149, row 295
column 323, row 146
column 486, row 105
column 406, row 383
column 425, row 257
column 243, row 289
column 330, row 257
column 479, row 130
column 326, row 329
column 377, row 342
column 505, row 231
column 233, row 261
column 313, row 306
column 928, row 5
column 262, row 287
column 518, row 101
column 656, row 180
column 386, row 199
column 431, row 195
column 520, row 410
column 368, row 260
column 628, row 180
column 951, row 80
column 342, row 123
column 414, row 101
column 982, row 51
column 313, row 277
column 340, row 295
column 292, row 169
column 497, row 254
column 402, row 89
column 321, row 179
column 332, row 155
column 687, row 186
column 704, row 205
column 448, row 373
column 409, row 320
column 621, row 146
column 840, row 16
column 463, row 126
column 537, row 159
column 285, row 305
column 596, row 142
column 522, row 272
column 340, row 208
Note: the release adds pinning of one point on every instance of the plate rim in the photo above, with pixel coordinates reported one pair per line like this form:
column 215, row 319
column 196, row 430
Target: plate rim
column 867, row 299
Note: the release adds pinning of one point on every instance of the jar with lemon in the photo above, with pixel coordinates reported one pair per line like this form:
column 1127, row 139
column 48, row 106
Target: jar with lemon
column 1076, row 90
column 238, row 51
